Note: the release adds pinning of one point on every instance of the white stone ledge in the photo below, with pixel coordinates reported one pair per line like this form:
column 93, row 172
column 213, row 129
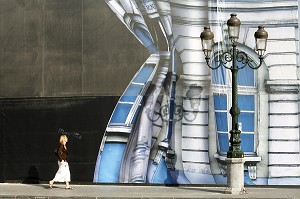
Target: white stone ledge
column 283, row 97
column 196, row 79
column 255, row 5
column 284, row 171
column 283, row 146
column 283, row 72
column 200, row 69
column 202, row 3
column 277, row 59
column 284, row 181
column 279, row 133
column 194, row 144
column 287, row 107
column 281, row 33
column 189, row 43
column 281, row 47
column 195, row 118
column 190, row 55
column 195, row 131
column 284, row 120
column 284, row 159
column 203, row 104
column 284, row 83
column 246, row 158
column 195, row 156
column 191, row 31
column 266, row 16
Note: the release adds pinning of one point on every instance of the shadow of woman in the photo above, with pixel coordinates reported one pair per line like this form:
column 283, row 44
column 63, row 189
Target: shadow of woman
column 32, row 176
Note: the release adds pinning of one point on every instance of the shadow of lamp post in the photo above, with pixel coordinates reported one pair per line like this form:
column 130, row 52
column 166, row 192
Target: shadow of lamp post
column 235, row 155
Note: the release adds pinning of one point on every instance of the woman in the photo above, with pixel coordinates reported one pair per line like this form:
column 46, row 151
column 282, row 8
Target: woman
column 63, row 173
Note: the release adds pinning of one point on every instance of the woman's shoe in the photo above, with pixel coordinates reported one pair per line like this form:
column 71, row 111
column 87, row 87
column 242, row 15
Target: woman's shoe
column 50, row 185
column 71, row 188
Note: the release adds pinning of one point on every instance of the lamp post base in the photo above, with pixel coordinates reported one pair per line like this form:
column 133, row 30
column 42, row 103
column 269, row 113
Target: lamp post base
column 235, row 176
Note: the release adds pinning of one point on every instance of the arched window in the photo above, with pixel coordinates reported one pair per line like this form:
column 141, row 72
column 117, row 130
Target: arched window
column 247, row 100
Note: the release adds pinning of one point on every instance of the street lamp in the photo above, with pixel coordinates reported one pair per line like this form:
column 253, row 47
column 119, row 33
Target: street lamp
column 235, row 155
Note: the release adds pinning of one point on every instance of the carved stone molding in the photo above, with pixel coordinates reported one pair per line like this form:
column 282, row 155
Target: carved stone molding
column 283, row 86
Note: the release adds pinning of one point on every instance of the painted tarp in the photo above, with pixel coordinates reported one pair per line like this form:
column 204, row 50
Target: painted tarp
column 171, row 125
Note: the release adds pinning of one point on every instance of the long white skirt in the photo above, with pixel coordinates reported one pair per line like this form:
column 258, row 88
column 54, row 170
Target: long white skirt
column 63, row 174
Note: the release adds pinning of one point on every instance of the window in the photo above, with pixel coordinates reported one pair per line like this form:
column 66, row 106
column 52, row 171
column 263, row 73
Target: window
column 247, row 91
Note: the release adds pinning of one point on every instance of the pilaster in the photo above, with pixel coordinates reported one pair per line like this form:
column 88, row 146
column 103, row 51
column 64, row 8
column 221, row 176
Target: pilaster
column 284, row 154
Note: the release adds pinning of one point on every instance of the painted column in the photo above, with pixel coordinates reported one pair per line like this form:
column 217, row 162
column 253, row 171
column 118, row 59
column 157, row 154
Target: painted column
column 189, row 19
column 283, row 89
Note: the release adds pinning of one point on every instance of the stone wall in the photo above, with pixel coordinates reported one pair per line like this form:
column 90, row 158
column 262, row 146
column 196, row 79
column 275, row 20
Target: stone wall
column 52, row 48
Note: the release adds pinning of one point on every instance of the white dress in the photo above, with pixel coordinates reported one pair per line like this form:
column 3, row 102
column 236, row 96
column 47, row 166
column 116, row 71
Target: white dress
column 63, row 174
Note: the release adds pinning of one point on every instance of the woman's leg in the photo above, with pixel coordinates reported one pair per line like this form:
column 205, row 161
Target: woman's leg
column 51, row 182
column 67, row 175
column 68, row 185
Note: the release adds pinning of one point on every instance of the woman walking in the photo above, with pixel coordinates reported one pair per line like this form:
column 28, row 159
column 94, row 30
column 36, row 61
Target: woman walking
column 63, row 173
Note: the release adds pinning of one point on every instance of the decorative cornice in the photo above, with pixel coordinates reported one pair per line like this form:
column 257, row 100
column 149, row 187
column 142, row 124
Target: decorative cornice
column 283, row 86
column 192, row 3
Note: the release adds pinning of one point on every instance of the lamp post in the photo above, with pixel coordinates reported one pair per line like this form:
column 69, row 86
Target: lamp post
column 235, row 155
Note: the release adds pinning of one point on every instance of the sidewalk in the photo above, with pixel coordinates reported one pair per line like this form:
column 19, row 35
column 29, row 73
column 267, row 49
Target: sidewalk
column 99, row 191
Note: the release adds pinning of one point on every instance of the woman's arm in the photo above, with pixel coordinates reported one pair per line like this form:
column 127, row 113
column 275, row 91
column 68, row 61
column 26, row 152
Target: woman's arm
column 60, row 152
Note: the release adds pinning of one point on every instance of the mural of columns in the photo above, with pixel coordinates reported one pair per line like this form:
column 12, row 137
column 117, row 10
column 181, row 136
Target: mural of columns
column 189, row 18
column 283, row 88
column 178, row 141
